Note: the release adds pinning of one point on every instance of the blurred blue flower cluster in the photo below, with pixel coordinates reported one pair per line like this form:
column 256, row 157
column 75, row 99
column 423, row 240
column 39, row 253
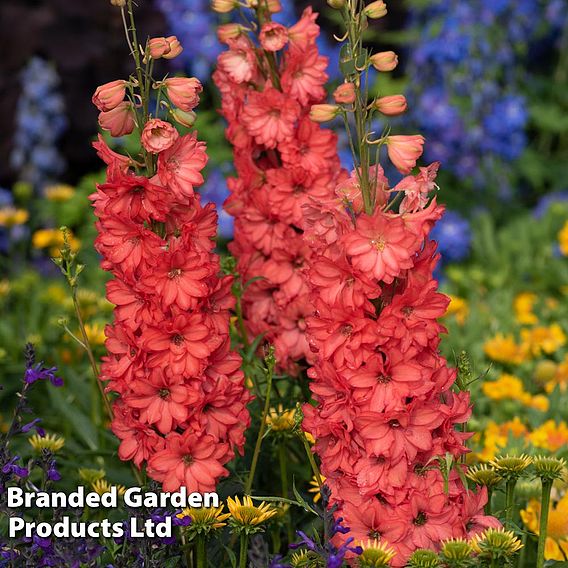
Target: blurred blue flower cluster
column 453, row 235
column 194, row 24
column 40, row 122
column 466, row 83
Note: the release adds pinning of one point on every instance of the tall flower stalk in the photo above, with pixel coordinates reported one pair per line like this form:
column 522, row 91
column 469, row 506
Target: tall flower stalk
column 269, row 76
column 181, row 401
column 386, row 414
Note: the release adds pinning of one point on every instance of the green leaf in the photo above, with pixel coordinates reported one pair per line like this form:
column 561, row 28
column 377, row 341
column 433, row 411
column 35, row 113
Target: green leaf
column 82, row 425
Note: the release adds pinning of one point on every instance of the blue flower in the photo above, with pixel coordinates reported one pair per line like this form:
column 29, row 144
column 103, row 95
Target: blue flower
column 453, row 234
column 40, row 122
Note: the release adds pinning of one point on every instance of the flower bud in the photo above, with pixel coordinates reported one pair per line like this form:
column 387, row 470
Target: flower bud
column 186, row 119
column 403, row 151
column 375, row 10
column 175, row 47
column 118, row 3
column 384, row 60
column 392, row 105
column 323, row 113
column 157, row 47
column 336, row 4
column 226, row 32
column 344, row 94
column 183, row 92
column 223, row 6
column 119, row 121
column 109, row 95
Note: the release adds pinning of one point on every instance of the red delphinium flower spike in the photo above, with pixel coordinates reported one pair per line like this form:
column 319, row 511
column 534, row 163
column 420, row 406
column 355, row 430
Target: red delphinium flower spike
column 181, row 400
column 386, row 415
column 268, row 84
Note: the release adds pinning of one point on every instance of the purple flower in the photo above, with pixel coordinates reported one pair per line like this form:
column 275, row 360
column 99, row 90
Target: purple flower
column 39, row 373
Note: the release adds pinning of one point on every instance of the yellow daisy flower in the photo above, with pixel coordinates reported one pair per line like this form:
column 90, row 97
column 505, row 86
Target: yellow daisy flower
column 50, row 442
column 247, row 514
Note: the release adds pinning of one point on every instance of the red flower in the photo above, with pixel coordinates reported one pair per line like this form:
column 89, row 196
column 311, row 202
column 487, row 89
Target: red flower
column 381, row 246
column 183, row 342
column 179, row 167
column 191, row 460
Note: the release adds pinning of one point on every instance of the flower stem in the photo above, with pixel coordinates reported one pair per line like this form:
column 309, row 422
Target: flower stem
column 262, row 428
column 543, row 524
column 201, row 552
column 510, row 501
column 244, row 550
column 284, row 483
column 487, row 508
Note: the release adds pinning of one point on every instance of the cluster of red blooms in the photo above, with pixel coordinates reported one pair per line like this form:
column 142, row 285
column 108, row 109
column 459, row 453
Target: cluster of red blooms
column 181, row 404
column 282, row 159
column 386, row 411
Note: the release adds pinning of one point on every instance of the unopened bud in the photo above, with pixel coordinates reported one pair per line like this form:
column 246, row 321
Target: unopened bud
column 375, row 10
column 336, row 4
column 323, row 113
column 186, row 119
column 118, row 3
column 229, row 31
column 392, row 105
column 223, row 6
column 384, row 61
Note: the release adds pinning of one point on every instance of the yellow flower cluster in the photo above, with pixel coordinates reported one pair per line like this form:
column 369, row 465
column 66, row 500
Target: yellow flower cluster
column 458, row 307
column 496, row 437
column 556, row 546
column 523, row 304
column 60, row 192
column 10, row 216
column 504, row 349
column 53, row 239
column 534, row 342
column 541, row 339
column 563, row 239
column 510, row 387
column 550, row 436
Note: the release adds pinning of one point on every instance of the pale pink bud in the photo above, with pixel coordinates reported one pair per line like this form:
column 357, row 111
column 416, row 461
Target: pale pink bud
column 344, row 94
column 158, row 136
column 119, row 121
column 273, row 36
column 175, row 47
column 186, row 119
column 157, row 47
column 226, row 32
column 323, row 113
column 404, row 151
column 109, row 95
column 184, row 92
column 376, row 9
column 223, row 6
column 392, row 105
column 384, row 60
column 274, row 6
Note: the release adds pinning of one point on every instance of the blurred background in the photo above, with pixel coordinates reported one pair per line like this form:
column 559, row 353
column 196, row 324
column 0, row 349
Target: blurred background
column 487, row 84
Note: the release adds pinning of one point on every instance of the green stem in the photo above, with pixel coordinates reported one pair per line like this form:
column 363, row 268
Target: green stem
column 313, row 463
column 543, row 524
column 487, row 507
column 244, row 550
column 201, row 552
column 90, row 354
column 282, row 457
column 510, row 501
column 261, row 430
